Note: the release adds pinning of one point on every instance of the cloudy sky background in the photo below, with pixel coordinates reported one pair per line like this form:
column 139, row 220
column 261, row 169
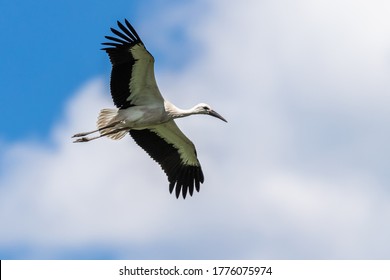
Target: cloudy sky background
column 299, row 172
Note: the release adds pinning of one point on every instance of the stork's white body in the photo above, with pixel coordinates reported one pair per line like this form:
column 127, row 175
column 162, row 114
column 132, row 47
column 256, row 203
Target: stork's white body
column 139, row 117
column 144, row 113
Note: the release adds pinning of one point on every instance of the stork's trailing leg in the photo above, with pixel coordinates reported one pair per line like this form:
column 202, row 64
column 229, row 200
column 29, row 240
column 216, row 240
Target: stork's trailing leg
column 81, row 134
column 109, row 133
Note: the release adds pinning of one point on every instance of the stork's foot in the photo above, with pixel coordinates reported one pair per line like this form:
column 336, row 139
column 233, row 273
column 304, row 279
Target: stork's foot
column 80, row 134
column 82, row 139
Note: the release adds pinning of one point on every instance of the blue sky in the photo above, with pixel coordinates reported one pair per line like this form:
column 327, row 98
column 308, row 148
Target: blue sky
column 48, row 48
column 300, row 171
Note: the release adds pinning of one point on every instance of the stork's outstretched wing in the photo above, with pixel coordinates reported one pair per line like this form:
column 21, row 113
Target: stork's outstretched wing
column 132, row 77
column 175, row 153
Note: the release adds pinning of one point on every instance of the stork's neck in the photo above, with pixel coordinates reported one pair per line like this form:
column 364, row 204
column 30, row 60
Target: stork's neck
column 176, row 112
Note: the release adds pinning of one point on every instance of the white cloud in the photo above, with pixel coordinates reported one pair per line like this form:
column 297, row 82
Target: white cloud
column 300, row 170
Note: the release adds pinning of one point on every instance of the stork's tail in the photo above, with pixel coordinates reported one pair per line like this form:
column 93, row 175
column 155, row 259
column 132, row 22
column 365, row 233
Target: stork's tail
column 107, row 117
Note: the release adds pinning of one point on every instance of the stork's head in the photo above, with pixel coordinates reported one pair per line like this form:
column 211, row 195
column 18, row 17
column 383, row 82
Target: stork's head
column 205, row 109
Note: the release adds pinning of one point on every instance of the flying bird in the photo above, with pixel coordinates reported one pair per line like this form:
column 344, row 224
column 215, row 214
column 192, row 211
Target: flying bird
column 145, row 114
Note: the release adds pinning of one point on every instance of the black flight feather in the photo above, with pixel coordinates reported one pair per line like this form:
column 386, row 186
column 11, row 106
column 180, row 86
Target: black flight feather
column 181, row 176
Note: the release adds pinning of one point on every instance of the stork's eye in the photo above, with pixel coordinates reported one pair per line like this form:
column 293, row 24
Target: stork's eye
column 206, row 108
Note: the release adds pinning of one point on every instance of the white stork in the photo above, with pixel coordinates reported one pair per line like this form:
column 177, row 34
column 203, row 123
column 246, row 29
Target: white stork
column 144, row 113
